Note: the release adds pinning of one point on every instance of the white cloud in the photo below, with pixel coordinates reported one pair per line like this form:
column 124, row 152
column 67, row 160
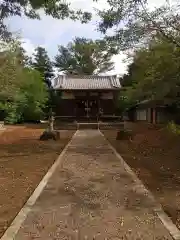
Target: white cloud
column 154, row 3
column 120, row 64
column 49, row 32
column 28, row 46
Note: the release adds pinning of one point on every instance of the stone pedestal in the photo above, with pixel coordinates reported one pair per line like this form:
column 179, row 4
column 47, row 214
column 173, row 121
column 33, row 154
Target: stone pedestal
column 1, row 125
column 50, row 135
column 124, row 135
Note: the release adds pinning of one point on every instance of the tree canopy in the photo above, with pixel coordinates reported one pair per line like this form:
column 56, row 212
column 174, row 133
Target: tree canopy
column 154, row 74
column 84, row 56
column 134, row 23
column 57, row 8
column 43, row 64
column 23, row 93
column 35, row 95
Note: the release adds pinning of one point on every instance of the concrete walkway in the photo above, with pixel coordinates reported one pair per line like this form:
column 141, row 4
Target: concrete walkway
column 91, row 196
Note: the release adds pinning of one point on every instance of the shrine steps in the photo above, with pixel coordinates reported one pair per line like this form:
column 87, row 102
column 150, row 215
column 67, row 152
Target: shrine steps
column 89, row 125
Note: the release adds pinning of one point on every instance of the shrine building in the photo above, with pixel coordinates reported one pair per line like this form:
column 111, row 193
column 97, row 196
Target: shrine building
column 86, row 97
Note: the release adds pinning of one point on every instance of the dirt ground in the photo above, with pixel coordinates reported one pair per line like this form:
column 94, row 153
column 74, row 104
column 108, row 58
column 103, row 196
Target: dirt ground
column 154, row 154
column 24, row 160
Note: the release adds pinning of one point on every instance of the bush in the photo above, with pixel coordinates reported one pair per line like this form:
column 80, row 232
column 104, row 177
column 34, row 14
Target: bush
column 28, row 103
column 11, row 114
column 174, row 128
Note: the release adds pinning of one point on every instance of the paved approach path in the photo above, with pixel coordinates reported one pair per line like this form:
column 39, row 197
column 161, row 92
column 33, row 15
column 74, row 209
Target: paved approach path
column 91, row 196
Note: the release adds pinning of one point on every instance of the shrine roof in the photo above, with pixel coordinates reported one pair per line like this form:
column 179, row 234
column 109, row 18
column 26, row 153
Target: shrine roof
column 93, row 82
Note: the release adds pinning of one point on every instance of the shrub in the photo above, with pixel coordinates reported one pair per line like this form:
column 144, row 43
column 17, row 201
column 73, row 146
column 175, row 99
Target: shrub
column 174, row 128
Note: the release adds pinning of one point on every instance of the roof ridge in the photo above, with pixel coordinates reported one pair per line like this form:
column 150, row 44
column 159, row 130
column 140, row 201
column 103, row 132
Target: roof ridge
column 88, row 76
column 87, row 82
column 114, row 82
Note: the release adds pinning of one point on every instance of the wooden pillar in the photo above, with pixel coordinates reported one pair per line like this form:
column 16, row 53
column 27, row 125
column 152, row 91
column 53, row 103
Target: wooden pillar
column 114, row 102
column 88, row 107
column 99, row 107
column 149, row 115
column 154, row 115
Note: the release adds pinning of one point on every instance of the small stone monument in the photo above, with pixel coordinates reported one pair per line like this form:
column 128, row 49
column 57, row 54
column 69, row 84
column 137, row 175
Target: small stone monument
column 124, row 133
column 50, row 133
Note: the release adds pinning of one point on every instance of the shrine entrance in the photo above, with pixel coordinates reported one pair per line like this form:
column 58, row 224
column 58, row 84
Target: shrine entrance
column 88, row 108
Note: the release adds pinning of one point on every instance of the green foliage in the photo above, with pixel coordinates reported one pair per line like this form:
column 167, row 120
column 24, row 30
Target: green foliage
column 23, row 93
column 34, row 95
column 43, row 64
column 84, row 56
column 155, row 74
column 173, row 128
column 128, row 82
column 124, row 102
column 134, row 23
column 128, row 79
column 12, row 115
column 56, row 8
column 23, row 58
column 10, row 71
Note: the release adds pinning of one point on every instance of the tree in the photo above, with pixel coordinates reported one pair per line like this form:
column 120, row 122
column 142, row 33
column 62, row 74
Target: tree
column 57, row 9
column 10, row 70
column 128, row 79
column 135, row 24
column 84, row 56
column 42, row 63
column 35, row 94
column 24, row 59
column 23, row 93
column 156, row 75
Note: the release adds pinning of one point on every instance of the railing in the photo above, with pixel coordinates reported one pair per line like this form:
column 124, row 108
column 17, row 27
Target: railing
column 102, row 118
column 71, row 122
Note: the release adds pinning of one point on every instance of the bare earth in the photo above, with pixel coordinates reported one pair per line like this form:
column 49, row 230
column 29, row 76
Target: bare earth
column 154, row 155
column 91, row 196
column 24, row 160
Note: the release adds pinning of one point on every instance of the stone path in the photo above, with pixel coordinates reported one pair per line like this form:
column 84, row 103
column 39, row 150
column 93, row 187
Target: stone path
column 91, row 196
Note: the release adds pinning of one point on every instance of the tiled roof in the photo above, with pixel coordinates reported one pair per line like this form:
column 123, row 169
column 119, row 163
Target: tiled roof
column 86, row 82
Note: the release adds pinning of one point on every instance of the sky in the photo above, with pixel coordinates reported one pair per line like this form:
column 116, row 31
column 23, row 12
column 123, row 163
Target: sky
column 50, row 33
